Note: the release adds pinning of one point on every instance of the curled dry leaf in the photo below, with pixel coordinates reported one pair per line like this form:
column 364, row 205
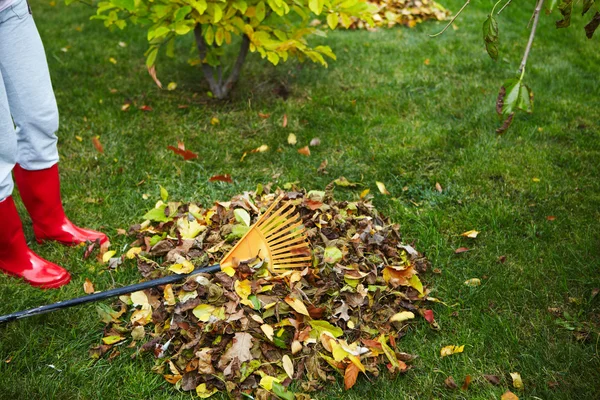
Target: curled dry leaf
column 285, row 121
column 152, row 72
column 516, row 380
column 461, row 250
column 186, row 154
column 381, row 187
column 493, row 379
column 438, row 187
column 466, row 383
column 449, row 350
column 473, row 282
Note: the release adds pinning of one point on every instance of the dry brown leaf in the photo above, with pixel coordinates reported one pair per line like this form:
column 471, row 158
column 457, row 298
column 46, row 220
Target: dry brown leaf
column 285, row 121
column 152, row 72
column 221, row 178
column 438, row 187
column 88, row 286
column 493, row 379
column 461, row 250
column 350, row 376
column 516, row 380
column 470, row 234
column 450, row 384
column 466, row 383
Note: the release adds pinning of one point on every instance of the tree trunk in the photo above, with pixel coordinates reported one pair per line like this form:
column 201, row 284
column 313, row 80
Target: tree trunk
column 214, row 76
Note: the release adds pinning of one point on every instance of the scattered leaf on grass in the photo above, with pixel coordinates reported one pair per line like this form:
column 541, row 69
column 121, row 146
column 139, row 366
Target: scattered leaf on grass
column 381, row 187
column 112, row 339
column 516, row 380
column 461, row 250
column 97, row 144
column 292, row 139
column 508, row 395
column 146, row 108
column 285, row 122
column 450, row 384
column 449, row 350
column 315, row 142
column 493, row 379
column 473, row 282
column 221, row 178
column 305, row 151
column 108, row 255
column 171, row 86
column 88, row 286
column 536, row 179
column 260, row 149
column 550, row 217
column 264, row 116
column 428, row 315
column 186, row 154
column 470, row 234
column 438, row 187
column 466, row 383
column 214, row 121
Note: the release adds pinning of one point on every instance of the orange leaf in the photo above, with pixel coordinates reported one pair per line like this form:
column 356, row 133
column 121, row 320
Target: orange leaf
column 550, row 217
column 186, row 154
column 172, row 378
column 461, row 250
column 350, row 376
column 97, row 144
column 284, row 123
column 438, row 187
column 264, row 116
column 146, row 108
column 467, row 382
column 305, row 151
column 508, row 395
column 221, row 178
column 88, row 286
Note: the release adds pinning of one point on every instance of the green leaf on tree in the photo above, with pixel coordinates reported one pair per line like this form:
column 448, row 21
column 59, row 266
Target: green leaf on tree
column 565, row 8
column 490, row 36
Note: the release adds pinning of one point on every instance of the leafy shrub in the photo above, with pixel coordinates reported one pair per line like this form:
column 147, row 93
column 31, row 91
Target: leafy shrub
column 276, row 29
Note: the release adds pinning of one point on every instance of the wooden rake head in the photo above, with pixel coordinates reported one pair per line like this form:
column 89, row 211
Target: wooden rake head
column 278, row 237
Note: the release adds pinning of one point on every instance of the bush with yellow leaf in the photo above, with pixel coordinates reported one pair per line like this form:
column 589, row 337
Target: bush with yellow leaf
column 276, row 29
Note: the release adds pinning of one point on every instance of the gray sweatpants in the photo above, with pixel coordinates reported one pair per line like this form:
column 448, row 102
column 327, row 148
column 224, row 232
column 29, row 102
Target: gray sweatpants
column 28, row 112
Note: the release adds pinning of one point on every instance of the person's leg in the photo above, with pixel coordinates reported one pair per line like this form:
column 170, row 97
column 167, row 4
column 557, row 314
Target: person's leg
column 15, row 256
column 33, row 108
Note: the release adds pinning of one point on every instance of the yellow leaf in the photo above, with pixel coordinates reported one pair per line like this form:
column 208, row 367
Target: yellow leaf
column 337, row 350
column 470, row 234
column 108, row 255
column 142, row 316
column 473, row 282
column 297, row 305
column 184, row 268
column 112, row 339
column 415, row 282
column 292, row 139
column 228, row 270
column 381, row 187
column 169, row 295
column 172, row 86
column 332, row 20
column 244, row 289
column 536, row 179
column 132, row 252
column 449, row 350
column 214, row 121
column 88, row 286
column 267, row 382
column 112, row 60
column 268, row 331
column 364, row 193
column 288, row 366
column 517, row 381
column 139, row 298
column 203, row 312
column 402, row 316
column 189, row 229
column 203, row 392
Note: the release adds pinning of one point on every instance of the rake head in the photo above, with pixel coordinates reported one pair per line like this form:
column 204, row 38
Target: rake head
column 278, row 237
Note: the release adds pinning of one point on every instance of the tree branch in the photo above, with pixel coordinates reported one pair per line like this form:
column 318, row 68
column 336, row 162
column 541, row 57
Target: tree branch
column 536, row 17
column 504, row 6
column 452, row 20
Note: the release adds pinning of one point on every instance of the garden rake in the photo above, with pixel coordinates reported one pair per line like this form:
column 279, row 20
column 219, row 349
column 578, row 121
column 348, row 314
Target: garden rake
column 278, row 238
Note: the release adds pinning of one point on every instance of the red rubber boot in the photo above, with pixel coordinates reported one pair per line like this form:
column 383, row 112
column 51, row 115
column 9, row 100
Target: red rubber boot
column 17, row 259
column 40, row 191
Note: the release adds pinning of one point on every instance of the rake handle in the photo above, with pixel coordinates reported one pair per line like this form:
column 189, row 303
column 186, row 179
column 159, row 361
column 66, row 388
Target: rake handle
column 107, row 294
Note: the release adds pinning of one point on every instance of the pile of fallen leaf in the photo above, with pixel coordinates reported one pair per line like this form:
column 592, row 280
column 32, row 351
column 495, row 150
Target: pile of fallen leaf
column 404, row 12
column 253, row 331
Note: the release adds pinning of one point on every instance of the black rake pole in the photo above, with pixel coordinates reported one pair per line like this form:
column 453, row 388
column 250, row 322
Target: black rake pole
column 107, row 294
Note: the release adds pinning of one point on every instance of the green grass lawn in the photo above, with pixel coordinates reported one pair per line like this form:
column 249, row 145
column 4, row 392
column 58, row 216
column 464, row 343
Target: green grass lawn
column 382, row 114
